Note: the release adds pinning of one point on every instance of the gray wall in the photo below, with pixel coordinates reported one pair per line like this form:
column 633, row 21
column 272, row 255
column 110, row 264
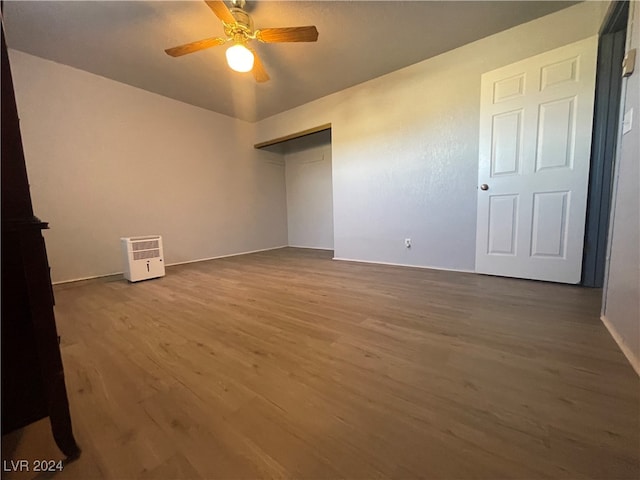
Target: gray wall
column 107, row 160
column 621, row 309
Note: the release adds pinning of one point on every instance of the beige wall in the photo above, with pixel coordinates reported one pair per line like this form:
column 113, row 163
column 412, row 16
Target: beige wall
column 621, row 309
column 405, row 146
column 107, row 160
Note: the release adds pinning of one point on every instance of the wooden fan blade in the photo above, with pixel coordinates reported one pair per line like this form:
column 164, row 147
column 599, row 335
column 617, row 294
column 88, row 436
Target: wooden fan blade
column 195, row 46
column 259, row 73
column 288, row 34
column 221, row 11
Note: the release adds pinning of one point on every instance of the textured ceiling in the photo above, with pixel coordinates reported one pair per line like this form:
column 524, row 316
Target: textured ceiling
column 358, row 40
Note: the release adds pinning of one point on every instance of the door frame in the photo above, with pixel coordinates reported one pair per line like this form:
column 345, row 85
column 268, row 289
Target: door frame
column 611, row 45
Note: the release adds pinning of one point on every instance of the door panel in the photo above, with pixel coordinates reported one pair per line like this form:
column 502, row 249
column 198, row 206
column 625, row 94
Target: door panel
column 508, row 88
column 503, row 217
column 548, row 232
column 556, row 134
column 535, row 139
column 506, row 148
column 565, row 71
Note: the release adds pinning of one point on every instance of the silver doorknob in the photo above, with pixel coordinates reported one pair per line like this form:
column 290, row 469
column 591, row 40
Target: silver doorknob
column 484, row 186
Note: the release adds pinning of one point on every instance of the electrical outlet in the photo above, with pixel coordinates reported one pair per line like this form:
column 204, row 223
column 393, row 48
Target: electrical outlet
column 407, row 242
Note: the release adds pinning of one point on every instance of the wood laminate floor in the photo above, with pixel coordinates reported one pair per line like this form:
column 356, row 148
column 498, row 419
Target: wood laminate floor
column 286, row 364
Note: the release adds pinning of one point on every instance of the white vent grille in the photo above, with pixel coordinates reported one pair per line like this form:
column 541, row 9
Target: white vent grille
column 145, row 245
column 146, row 254
column 142, row 257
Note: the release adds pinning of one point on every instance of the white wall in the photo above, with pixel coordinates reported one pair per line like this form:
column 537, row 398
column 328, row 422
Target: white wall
column 107, row 160
column 405, row 146
column 309, row 197
column 621, row 309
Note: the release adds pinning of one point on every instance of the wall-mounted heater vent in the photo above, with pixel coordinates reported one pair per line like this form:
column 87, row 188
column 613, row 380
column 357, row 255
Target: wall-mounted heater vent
column 142, row 257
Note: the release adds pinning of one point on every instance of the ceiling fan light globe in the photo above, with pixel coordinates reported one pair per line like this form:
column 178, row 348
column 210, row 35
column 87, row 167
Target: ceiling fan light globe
column 239, row 58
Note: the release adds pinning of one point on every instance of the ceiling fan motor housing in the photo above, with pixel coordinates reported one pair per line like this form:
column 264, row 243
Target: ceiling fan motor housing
column 242, row 18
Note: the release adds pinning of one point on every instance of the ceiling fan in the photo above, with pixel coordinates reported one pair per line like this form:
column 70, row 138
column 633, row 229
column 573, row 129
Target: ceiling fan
column 238, row 28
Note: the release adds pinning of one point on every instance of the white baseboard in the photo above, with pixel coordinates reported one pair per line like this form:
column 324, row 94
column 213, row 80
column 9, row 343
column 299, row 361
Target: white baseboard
column 226, row 256
column 633, row 360
column 80, row 279
column 61, row 282
column 461, row 270
column 312, row 248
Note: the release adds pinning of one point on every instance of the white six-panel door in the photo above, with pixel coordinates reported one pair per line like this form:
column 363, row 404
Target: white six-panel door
column 535, row 142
